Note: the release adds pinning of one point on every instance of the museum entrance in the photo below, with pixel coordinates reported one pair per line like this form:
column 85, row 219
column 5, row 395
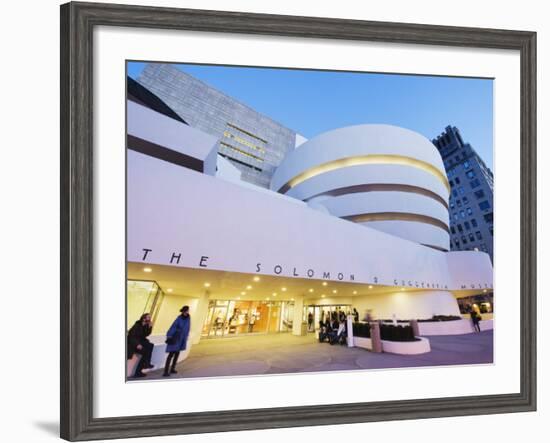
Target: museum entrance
column 317, row 313
column 231, row 318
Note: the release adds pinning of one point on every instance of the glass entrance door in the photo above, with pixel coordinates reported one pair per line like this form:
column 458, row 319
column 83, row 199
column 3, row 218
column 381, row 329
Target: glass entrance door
column 233, row 318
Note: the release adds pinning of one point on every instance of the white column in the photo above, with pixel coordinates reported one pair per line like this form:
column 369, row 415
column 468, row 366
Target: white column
column 350, row 331
column 298, row 314
column 197, row 320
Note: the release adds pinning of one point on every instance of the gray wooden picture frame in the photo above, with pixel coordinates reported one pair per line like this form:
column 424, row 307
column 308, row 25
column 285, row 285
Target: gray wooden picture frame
column 77, row 216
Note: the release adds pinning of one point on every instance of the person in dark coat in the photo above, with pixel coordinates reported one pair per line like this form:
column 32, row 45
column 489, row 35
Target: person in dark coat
column 475, row 320
column 333, row 330
column 176, row 340
column 137, row 343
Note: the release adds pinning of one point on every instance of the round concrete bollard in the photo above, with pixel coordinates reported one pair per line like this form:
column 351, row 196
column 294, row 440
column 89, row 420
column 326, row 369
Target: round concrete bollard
column 414, row 326
column 376, row 340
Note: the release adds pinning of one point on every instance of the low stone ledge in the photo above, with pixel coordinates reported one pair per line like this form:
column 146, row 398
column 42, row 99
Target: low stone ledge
column 419, row 346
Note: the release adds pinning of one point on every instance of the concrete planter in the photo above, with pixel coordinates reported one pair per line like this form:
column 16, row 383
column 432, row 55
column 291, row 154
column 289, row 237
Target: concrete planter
column 421, row 346
column 453, row 327
column 362, row 342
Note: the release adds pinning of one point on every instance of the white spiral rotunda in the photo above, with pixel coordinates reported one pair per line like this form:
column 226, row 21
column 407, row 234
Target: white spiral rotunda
column 381, row 176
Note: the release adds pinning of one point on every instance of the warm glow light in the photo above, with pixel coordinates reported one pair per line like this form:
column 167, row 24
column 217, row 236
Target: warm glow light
column 207, row 285
column 243, row 293
column 256, row 278
column 274, row 294
column 238, row 298
column 249, row 287
column 354, row 292
column 395, row 216
column 325, row 283
column 147, row 270
column 291, row 299
column 370, row 286
column 402, row 289
column 376, row 159
column 169, row 290
column 310, row 290
column 485, row 290
column 334, row 291
column 283, row 289
column 323, row 296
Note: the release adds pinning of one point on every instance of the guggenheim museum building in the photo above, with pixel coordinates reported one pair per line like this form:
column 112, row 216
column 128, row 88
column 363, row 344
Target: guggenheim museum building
column 258, row 229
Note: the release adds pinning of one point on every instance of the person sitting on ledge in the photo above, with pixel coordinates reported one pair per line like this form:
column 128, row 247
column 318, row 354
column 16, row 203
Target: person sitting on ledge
column 323, row 330
column 137, row 343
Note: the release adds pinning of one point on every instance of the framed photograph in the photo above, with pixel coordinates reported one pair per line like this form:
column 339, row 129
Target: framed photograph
column 272, row 221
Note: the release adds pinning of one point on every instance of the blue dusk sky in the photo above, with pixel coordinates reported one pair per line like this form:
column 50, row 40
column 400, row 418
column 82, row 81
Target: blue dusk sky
column 312, row 102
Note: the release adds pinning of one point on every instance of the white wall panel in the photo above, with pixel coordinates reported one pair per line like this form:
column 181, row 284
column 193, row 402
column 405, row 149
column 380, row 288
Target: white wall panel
column 407, row 305
column 414, row 231
column 376, row 202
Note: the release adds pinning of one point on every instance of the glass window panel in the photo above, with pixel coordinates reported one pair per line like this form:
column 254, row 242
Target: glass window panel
column 138, row 295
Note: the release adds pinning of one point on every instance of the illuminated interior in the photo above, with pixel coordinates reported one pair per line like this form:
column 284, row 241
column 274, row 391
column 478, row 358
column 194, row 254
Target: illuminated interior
column 231, row 299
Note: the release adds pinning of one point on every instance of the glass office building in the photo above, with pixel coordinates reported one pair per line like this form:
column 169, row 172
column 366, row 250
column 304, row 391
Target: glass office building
column 471, row 198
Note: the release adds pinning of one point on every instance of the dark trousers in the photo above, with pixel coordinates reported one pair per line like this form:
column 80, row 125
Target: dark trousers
column 145, row 352
column 476, row 326
column 173, row 358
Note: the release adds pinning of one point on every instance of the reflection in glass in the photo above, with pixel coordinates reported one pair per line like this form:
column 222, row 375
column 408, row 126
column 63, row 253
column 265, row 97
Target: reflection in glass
column 142, row 297
column 233, row 318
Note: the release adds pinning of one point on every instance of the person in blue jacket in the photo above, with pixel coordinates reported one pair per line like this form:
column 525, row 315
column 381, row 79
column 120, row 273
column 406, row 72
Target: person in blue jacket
column 176, row 340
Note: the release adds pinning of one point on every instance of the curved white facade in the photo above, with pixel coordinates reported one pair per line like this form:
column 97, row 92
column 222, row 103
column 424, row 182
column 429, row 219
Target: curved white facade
column 385, row 177
column 388, row 180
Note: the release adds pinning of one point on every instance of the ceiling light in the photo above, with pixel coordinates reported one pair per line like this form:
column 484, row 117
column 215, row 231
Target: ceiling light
column 274, row 294
column 169, row 290
column 291, row 299
column 283, row 289
column 402, row 289
column 238, row 298
column 147, row 270
column 370, row 286
column 256, row 278
column 354, row 292
column 207, row 285
column 485, row 290
column 334, row 291
column 311, row 290
column 325, row 283
column 323, row 296
column 243, row 293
